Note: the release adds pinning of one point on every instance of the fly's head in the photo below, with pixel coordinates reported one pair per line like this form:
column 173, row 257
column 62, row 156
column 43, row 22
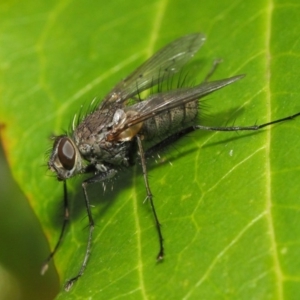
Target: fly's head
column 65, row 159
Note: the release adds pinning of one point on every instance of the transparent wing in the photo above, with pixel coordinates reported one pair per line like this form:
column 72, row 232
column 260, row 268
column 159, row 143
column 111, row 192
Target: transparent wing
column 161, row 102
column 159, row 67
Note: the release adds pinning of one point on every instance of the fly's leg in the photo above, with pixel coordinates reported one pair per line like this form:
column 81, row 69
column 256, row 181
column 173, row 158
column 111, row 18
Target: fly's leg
column 71, row 281
column 178, row 135
column 98, row 178
column 150, row 198
column 62, row 232
column 241, row 128
column 213, row 69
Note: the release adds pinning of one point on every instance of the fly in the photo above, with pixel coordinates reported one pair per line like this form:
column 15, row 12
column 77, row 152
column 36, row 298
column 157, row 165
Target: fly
column 117, row 132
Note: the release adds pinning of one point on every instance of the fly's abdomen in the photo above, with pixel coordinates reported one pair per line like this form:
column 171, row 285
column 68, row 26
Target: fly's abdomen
column 167, row 123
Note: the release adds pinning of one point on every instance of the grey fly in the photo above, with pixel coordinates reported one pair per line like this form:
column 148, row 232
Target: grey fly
column 116, row 131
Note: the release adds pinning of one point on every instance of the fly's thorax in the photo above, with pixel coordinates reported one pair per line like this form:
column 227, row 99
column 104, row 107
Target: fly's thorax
column 91, row 138
column 65, row 159
column 99, row 150
column 167, row 123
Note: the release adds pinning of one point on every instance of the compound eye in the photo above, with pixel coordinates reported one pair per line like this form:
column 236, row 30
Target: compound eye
column 66, row 154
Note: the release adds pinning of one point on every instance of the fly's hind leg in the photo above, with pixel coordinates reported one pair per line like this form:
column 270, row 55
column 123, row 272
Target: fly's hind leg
column 213, row 68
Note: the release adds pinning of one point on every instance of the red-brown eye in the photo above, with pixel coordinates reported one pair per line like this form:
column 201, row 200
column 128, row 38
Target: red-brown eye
column 66, row 154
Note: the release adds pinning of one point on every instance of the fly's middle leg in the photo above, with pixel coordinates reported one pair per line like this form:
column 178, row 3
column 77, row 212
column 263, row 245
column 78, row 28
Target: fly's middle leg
column 160, row 254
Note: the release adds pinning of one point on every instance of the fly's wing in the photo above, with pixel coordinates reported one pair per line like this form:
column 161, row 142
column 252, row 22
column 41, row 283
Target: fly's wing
column 161, row 102
column 159, row 67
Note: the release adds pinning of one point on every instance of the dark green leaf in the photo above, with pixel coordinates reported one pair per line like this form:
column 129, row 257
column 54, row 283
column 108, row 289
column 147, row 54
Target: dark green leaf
column 228, row 204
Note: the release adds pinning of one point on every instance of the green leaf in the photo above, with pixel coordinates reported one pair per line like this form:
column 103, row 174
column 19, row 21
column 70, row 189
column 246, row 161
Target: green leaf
column 227, row 203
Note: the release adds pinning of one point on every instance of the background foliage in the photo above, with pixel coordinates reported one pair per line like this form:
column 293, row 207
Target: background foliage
column 228, row 203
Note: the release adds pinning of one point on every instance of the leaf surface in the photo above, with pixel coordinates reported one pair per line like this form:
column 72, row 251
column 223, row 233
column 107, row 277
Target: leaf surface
column 228, row 203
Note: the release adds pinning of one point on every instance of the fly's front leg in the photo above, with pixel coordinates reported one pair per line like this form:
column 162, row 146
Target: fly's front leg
column 98, row 178
column 62, row 232
column 150, row 198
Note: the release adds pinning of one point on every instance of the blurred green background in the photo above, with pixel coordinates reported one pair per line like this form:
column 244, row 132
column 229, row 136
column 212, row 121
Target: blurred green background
column 23, row 245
